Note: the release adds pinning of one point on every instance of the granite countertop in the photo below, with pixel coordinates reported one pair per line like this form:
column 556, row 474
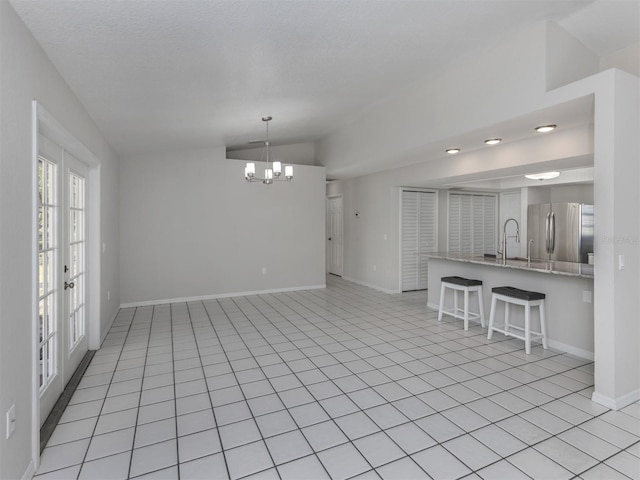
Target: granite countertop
column 543, row 266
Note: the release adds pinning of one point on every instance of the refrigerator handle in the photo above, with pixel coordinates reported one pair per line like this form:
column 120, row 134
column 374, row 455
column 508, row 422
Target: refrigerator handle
column 546, row 233
column 552, row 235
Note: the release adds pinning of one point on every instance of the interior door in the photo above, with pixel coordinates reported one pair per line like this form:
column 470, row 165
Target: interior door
column 418, row 236
column 334, row 235
column 62, row 246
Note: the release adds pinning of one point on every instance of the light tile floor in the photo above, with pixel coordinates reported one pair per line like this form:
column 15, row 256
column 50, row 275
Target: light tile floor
column 339, row 383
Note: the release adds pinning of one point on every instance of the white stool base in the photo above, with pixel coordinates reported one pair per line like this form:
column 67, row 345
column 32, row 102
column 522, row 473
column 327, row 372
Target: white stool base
column 461, row 313
column 507, row 329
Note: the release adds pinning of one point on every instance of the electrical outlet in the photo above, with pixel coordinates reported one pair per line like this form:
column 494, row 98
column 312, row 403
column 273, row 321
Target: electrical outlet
column 11, row 420
column 586, row 296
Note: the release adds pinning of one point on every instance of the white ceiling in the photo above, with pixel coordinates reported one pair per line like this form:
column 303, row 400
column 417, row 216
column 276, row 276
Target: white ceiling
column 176, row 74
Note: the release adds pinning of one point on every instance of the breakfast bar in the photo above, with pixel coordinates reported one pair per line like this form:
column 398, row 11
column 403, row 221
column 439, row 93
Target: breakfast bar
column 568, row 287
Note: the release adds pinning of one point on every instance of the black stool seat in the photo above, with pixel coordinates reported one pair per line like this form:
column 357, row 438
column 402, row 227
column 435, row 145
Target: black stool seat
column 465, row 282
column 517, row 293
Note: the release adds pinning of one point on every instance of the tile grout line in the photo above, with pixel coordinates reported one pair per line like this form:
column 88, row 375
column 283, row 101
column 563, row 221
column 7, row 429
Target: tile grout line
column 105, row 397
column 333, row 420
column 144, row 368
column 217, row 426
column 279, row 322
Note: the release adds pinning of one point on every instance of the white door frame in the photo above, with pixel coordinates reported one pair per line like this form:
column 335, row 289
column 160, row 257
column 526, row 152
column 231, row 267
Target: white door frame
column 42, row 122
column 329, row 198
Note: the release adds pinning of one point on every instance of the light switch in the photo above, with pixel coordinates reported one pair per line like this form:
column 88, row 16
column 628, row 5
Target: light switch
column 620, row 262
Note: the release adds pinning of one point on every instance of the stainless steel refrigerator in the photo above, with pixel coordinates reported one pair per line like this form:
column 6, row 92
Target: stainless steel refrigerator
column 560, row 231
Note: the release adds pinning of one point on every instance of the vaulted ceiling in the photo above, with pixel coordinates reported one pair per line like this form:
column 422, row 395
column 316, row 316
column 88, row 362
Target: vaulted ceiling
column 176, row 74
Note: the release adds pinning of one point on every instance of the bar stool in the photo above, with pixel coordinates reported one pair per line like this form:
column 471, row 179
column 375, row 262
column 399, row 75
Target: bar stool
column 466, row 285
column 515, row 296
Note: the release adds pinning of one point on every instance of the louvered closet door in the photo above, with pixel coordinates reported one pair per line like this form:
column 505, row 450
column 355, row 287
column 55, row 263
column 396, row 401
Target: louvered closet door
column 466, row 224
column 418, row 236
column 472, row 224
column 490, row 223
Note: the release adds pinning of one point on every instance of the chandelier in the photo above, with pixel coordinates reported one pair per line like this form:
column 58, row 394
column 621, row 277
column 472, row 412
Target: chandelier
column 273, row 170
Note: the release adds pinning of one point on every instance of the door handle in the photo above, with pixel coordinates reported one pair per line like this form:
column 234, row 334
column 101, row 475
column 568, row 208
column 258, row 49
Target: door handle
column 69, row 285
column 547, row 244
column 552, row 236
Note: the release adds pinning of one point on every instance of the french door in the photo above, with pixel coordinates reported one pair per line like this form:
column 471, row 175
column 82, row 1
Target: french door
column 62, row 274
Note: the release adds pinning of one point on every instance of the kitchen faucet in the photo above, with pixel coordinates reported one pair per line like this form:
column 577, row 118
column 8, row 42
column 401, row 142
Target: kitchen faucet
column 504, row 238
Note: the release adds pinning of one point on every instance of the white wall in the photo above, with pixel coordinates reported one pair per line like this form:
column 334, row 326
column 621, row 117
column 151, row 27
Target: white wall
column 572, row 193
column 476, row 91
column 562, row 49
column 190, row 226
column 617, row 233
column 463, row 98
column 560, row 194
column 627, row 59
column 468, row 97
column 569, row 319
column 376, row 196
column 295, row 153
column 27, row 74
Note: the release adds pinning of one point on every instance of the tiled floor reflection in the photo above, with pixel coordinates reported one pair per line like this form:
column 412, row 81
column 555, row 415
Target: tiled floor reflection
column 339, row 383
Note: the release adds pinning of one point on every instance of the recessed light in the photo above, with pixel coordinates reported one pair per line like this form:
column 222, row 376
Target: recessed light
column 545, row 128
column 452, row 150
column 543, row 175
column 493, row 141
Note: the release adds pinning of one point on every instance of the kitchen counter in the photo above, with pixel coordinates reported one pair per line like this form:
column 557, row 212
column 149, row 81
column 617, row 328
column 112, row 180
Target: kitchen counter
column 542, row 266
column 568, row 288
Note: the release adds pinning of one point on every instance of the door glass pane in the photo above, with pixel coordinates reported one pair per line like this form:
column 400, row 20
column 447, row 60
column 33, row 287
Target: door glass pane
column 76, row 295
column 47, row 269
column 42, row 323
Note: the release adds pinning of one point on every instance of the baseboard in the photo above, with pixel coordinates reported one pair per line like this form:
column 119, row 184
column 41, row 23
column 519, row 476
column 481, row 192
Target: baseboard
column 571, row 350
column 369, row 285
column 29, row 472
column 58, row 409
column 221, row 295
column 616, row 403
column 563, row 347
